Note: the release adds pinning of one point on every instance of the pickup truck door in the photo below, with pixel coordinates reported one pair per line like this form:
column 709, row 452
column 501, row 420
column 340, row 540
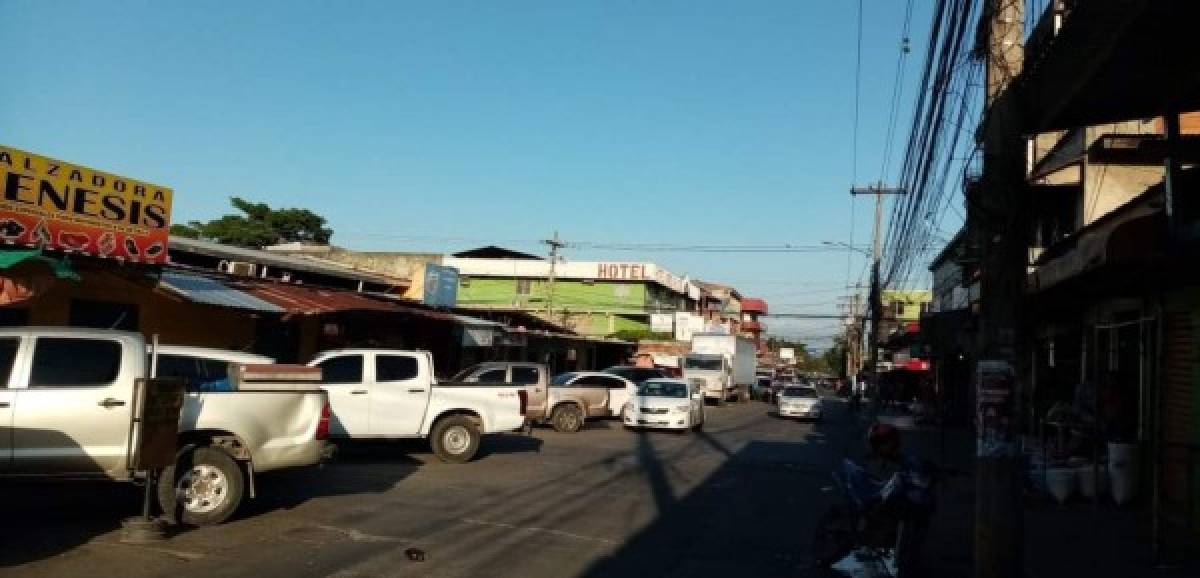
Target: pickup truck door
column 8, row 396
column 342, row 377
column 592, row 390
column 534, row 380
column 399, row 394
column 620, row 391
column 73, row 416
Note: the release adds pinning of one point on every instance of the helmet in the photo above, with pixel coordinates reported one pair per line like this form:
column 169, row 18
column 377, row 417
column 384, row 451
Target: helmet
column 883, row 439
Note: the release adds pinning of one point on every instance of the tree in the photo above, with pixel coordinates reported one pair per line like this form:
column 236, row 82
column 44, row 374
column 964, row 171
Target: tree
column 258, row 226
column 835, row 357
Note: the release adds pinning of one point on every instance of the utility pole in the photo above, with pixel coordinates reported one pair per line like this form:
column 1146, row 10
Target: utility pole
column 875, row 297
column 997, row 219
column 555, row 244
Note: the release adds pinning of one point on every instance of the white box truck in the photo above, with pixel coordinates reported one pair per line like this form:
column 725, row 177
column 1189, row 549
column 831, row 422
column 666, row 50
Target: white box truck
column 721, row 364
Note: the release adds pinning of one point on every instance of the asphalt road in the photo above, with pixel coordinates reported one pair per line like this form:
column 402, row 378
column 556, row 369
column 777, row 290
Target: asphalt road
column 738, row 499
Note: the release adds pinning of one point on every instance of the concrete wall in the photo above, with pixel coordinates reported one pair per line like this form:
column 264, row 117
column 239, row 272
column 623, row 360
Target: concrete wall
column 1108, row 186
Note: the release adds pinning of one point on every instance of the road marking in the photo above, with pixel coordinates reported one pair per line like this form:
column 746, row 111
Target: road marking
column 538, row 530
column 359, row 536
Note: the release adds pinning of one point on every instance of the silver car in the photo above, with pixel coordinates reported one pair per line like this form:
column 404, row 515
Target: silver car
column 801, row 401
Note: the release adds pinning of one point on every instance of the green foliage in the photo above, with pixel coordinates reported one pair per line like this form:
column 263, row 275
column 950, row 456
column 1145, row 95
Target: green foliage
column 258, row 226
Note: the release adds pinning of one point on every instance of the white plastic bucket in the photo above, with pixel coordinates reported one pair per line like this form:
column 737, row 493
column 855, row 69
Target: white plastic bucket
column 1123, row 471
column 1061, row 483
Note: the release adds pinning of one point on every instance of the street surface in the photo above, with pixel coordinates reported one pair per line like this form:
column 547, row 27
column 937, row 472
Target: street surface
column 738, row 499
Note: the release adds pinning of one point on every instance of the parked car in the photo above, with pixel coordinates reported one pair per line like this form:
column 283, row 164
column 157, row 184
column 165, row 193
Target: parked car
column 637, row 374
column 389, row 394
column 70, row 402
column 617, row 391
column 799, row 401
column 762, row 388
column 565, row 402
column 666, row 404
column 533, row 377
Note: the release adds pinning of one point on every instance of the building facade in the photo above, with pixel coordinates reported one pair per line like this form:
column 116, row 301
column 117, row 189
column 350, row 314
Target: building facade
column 589, row 297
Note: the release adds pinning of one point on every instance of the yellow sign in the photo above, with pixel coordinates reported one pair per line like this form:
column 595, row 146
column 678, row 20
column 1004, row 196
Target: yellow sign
column 57, row 205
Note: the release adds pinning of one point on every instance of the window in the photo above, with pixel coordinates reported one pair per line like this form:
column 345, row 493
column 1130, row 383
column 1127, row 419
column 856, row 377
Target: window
column 601, row 381
column 491, row 376
column 185, row 368
column 66, row 362
column 342, row 369
column 8, row 355
column 523, row 286
column 103, row 315
column 395, row 368
column 524, row 375
column 13, row 317
column 897, row 309
column 198, row 374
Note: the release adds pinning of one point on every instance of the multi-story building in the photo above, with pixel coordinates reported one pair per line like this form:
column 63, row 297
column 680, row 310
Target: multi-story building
column 752, row 309
column 590, row 297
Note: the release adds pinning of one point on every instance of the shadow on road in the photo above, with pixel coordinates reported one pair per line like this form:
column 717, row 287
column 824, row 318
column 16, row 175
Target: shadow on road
column 753, row 516
column 43, row 518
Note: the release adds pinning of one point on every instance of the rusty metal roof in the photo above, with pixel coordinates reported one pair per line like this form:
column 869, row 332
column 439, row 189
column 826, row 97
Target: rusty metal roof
column 305, row 300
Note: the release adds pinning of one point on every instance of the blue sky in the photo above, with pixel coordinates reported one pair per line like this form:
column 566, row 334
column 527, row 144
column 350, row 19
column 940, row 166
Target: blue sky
column 444, row 125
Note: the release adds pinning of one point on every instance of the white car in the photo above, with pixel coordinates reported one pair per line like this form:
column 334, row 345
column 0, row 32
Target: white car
column 667, row 404
column 799, row 401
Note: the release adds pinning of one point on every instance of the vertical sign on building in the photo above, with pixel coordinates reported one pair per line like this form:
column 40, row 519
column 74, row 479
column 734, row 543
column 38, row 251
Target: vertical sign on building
column 662, row 323
column 441, row 285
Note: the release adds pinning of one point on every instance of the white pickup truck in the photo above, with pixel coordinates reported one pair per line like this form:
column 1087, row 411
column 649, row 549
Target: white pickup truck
column 67, row 411
column 384, row 393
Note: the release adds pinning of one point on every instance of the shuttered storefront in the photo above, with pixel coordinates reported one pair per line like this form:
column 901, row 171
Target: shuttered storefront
column 1179, row 480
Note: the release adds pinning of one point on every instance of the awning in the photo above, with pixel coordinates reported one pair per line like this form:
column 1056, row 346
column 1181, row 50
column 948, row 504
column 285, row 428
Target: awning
column 212, row 292
column 1092, row 247
column 60, row 267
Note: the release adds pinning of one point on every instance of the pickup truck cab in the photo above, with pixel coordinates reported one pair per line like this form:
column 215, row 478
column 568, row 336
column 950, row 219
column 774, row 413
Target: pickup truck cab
column 565, row 402
column 387, row 394
column 67, row 411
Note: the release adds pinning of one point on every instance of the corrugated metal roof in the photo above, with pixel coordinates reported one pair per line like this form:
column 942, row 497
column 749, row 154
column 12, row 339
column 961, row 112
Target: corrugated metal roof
column 212, row 292
column 304, row 300
column 320, row 267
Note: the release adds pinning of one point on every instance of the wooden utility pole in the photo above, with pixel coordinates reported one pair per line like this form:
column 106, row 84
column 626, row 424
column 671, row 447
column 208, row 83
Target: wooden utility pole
column 876, row 296
column 998, row 219
column 555, row 244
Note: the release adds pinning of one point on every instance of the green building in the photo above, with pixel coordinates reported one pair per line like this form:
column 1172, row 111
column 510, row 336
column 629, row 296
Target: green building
column 590, row 297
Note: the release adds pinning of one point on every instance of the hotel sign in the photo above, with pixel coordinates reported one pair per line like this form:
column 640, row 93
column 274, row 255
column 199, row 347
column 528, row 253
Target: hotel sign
column 58, row 205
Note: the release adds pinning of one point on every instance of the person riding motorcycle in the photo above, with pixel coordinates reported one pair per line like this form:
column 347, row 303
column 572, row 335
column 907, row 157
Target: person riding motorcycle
column 905, row 508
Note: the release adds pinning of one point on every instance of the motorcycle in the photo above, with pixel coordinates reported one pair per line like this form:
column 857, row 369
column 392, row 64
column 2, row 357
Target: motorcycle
column 880, row 527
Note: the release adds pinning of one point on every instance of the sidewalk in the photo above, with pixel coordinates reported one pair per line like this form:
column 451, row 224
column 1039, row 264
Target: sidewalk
column 1077, row 539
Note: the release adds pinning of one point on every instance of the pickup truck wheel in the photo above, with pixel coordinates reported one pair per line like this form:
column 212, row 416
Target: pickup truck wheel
column 567, row 419
column 455, row 439
column 203, row 488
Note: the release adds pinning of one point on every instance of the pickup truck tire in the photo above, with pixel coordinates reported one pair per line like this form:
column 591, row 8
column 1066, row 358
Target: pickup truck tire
column 455, row 439
column 567, row 418
column 206, row 491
